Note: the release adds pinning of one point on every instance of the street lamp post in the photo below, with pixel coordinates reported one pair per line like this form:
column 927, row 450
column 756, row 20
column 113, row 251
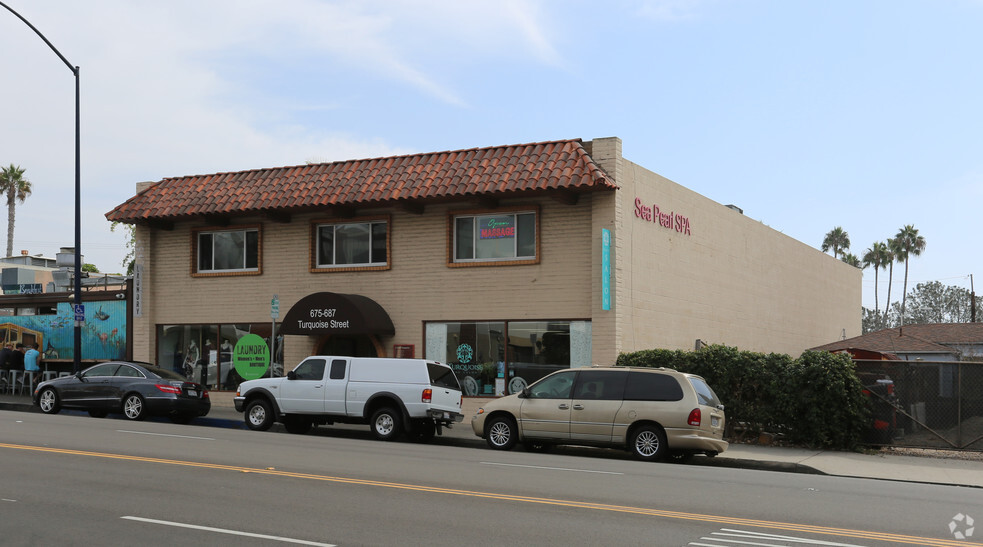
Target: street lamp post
column 77, row 300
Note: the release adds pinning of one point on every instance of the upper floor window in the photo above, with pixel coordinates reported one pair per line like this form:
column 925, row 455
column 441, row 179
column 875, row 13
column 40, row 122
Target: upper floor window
column 352, row 245
column 223, row 251
column 504, row 236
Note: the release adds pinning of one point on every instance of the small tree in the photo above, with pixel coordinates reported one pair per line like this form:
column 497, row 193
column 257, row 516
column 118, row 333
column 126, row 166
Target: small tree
column 852, row 260
column 909, row 244
column 836, row 240
column 17, row 188
column 130, row 232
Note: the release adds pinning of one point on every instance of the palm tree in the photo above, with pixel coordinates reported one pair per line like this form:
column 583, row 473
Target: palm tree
column 17, row 188
column 836, row 240
column 877, row 255
column 892, row 252
column 852, row 260
column 910, row 244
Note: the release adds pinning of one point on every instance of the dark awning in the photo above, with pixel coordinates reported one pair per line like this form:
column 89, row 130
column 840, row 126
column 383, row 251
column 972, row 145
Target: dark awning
column 332, row 313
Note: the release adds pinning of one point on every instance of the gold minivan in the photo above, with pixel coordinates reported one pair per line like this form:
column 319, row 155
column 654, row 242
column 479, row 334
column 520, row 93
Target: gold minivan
column 654, row 413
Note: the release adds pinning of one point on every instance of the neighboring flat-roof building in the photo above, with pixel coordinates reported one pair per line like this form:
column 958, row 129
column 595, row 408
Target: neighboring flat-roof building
column 507, row 262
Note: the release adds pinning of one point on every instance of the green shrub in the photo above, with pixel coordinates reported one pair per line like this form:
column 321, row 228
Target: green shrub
column 814, row 401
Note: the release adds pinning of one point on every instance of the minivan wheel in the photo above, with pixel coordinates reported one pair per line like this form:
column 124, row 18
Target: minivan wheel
column 501, row 433
column 648, row 443
column 386, row 424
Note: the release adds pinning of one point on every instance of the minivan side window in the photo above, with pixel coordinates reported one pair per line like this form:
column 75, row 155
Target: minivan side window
column 557, row 386
column 652, row 386
column 338, row 369
column 311, row 369
column 603, row 385
column 442, row 376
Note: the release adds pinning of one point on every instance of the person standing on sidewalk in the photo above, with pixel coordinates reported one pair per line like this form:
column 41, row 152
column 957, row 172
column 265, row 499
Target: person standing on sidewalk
column 32, row 362
column 6, row 361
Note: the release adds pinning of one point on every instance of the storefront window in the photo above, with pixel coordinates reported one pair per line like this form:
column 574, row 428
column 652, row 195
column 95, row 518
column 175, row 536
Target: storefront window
column 203, row 353
column 487, row 365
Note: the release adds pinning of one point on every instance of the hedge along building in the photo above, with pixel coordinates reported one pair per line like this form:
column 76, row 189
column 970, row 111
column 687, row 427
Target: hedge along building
column 507, row 262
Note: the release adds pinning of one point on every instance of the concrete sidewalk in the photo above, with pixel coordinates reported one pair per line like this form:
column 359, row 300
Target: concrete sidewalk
column 932, row 470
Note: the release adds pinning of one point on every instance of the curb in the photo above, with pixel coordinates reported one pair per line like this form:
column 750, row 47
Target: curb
column 461, row 441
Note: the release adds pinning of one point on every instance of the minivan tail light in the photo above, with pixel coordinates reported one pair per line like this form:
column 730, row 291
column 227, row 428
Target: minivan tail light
column 695, row 417
column 427, row 395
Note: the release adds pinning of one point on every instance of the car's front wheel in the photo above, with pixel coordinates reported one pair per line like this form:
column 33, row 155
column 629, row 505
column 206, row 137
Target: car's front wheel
column 134, row 407
column 386, row 424
column 648, row 443
column 49, row 402
column 259, row 415
column 502, row 434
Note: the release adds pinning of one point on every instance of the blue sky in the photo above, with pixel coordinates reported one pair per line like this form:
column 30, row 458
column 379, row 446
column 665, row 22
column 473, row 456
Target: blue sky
column 806, row 114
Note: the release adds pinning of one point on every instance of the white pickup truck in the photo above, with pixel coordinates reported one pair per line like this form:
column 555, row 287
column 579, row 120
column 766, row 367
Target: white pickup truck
column 393, row 396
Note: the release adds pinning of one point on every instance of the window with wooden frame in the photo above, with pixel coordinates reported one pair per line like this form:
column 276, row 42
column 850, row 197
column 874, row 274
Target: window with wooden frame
column 500, row 237
column 350, row 245
column 226, row 251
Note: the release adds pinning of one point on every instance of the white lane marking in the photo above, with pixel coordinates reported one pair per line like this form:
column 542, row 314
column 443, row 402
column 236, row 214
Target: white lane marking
column 163, row 435
column 724, row 533
column 224, row 531
column 5, row 499
column 552, row 468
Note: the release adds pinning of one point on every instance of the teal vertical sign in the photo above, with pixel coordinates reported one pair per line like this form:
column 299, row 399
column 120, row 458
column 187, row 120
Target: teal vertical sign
column 605, row 269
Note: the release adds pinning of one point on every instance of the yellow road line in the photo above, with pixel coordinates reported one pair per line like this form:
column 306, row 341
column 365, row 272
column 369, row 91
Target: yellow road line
column 716, row 519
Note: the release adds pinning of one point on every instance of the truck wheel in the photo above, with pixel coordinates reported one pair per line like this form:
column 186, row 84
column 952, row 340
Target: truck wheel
column 297, row 424
column 386, row 424
column 259, row 415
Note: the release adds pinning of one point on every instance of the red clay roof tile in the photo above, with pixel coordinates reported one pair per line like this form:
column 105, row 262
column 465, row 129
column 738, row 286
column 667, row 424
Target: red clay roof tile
column 458, row 173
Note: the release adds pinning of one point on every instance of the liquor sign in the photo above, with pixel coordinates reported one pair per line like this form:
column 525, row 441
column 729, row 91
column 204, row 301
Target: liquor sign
column 497, row 227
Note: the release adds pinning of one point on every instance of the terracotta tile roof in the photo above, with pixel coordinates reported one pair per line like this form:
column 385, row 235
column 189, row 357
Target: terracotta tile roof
column 502, row 171
column 928, row 338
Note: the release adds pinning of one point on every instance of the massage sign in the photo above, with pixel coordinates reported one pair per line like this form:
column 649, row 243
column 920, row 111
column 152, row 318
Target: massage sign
column 666, row 219
column 496, row 227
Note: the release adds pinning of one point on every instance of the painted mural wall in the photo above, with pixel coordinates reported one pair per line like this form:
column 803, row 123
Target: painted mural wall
column 103, row 332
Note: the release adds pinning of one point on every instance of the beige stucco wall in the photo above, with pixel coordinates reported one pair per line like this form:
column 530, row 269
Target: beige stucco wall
column 419, row 287
column 732, row 280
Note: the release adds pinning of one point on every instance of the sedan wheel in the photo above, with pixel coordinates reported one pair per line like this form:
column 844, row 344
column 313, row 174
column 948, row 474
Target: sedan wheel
column 134, row 407
column 48, row 401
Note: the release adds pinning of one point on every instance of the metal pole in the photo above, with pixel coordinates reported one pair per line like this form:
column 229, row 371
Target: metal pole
column 77, row 362
column 78, row 188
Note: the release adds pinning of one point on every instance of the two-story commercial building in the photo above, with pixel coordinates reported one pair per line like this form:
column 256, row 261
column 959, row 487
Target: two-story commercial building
column 507, row 262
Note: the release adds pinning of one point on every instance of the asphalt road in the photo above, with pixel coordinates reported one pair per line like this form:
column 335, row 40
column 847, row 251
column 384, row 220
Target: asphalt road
column 75, row 480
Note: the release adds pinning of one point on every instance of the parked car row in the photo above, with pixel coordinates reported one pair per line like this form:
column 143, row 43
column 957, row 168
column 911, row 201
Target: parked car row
column 652, row 413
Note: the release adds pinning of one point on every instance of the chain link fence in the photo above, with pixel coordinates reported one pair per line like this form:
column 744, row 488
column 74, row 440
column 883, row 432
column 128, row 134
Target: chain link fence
column 924, row 404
